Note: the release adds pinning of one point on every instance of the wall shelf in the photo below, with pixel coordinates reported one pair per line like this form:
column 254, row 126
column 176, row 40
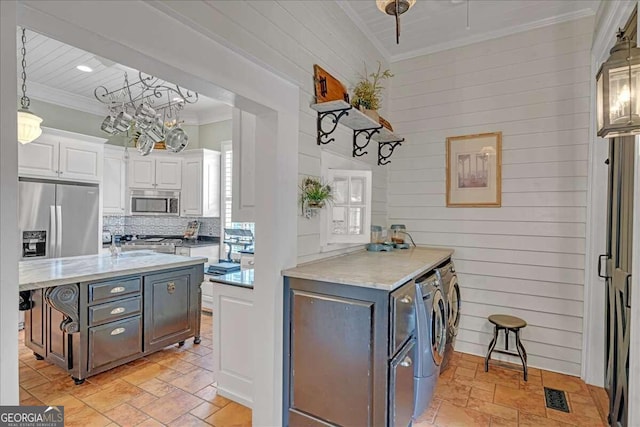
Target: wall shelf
column 341, row 112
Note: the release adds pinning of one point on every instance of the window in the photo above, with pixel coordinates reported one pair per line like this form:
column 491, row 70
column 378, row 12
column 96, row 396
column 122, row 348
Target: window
column 348, row 218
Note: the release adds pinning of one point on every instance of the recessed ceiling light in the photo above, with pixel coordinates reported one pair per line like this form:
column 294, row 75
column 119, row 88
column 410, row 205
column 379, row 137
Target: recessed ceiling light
column 84, row 68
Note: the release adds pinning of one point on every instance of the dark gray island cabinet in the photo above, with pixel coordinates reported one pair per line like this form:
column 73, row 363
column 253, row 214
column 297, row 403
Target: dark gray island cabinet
column 90, row 326
column 349, row 338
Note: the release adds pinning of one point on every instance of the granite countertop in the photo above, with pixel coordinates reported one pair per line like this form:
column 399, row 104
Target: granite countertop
column 242, row 278
column 61, row 271
column 378, row 270
column 209, row 241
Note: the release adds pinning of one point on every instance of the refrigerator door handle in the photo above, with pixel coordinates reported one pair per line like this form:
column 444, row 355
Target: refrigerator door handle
column 59, row 231
column 52, row 242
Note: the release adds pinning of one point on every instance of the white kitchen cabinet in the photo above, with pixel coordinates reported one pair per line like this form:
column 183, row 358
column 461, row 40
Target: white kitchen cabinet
column 210, row 252
column 232, row 347
column 243, row 169
column 63, row 155
column 201, row 183
column 114, row 184
column 155, row 172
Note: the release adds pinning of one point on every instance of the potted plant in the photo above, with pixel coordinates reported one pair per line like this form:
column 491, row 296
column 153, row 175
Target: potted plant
column 367, row 94
column 314, row 193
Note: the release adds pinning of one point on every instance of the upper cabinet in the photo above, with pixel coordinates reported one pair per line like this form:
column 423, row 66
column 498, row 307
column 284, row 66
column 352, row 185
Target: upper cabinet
column 114, row 181
column 243, row 170
column 58, row 154
column 155, row 172
column 200, row 183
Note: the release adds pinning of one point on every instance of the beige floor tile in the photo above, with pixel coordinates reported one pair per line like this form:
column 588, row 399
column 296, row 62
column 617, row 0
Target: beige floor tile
column 194, row 380
column 500, row 376
column 564, row 382
column 150, row 423
column 85, row 390
column 520, row 399
column 188, row 420
column 473, row 358
column 112, row 395
column 156, row 387
column 574, row 418
column 480, row 394
column 30, row 378
column 52, row 390
column 530, row 420
column 453, row 392
column 233, row 414
column 86, row 417
column 145, row 373
column 493, row 409
column 126, row 415
column 210, row 394
column 450, row 415
column 601, row 399
column 142, row 400
column 464, row 372
column 172, row 406
column 500, row 422
column 205, row 410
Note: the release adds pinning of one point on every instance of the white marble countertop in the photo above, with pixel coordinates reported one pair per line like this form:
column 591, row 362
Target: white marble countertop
column 242, row 278
column 44, row 273
column 378, row 270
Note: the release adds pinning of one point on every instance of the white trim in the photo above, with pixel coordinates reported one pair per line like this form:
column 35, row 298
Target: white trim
column 353, row 15
column 494, row 34
column 66, row 99
column 609, row 17
column 73, row 135
column 634, row 346
column 215, row 115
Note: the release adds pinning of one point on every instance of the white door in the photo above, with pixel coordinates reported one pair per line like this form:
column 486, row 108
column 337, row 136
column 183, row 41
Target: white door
column 168, row 173
column 142, row 172
column 211, row 183
column 80, row 161
column 39, row 158
column 113, row 182
column 191, row 196
column 244, row 153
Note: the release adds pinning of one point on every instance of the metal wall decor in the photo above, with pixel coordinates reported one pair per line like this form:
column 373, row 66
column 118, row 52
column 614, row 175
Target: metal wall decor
column 149, row 108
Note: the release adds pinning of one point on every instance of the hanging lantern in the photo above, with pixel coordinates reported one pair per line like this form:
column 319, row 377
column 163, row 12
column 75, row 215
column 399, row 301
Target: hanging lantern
column 395, row 8
column 28, row 123
column 618, row 90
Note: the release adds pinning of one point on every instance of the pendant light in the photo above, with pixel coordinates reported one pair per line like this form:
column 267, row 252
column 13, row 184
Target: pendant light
column 395, row 8
column 618, row 90
column 28, row 123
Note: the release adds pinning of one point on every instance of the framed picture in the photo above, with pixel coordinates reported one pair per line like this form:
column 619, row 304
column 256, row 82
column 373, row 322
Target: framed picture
column 474, row 170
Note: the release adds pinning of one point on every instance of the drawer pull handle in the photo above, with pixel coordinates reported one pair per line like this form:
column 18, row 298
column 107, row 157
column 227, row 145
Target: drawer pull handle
column 406, row 362
column 117, row 290
column 118, row 310
column 171, row 287
column 118, row 331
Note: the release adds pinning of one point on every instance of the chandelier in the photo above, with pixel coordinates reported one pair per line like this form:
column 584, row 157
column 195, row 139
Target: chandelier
column 149, row 110
column 618, row 90
column 28, row 123
column 395, row 8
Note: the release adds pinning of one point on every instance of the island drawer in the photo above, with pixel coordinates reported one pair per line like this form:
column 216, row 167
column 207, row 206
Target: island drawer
column 114, row 289
column 114, row 341
column 110, row 311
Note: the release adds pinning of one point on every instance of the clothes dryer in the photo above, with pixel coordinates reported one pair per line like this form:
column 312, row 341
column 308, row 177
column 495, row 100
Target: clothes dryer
column 431, row 337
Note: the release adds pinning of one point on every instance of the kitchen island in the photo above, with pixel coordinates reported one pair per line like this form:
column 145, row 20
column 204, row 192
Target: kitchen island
column 91, row 313
column 350, row 340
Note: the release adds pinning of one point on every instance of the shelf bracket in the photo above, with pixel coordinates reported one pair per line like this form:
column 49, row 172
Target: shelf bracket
column 389, row 146
column 64, row 298
column 358, row 150
column 323, row 136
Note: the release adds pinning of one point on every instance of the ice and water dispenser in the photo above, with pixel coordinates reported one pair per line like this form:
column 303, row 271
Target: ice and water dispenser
column 34, row 244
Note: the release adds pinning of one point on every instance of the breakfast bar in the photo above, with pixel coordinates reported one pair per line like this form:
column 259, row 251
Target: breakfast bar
column 88, row 314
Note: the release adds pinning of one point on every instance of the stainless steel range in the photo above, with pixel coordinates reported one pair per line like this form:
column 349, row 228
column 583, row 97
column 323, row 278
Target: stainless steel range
column 158, row 244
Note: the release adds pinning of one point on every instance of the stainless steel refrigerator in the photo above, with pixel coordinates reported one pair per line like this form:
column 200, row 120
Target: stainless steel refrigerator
column 57, row 219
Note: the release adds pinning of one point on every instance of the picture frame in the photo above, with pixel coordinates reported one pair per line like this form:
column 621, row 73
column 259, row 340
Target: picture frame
column 474, row 170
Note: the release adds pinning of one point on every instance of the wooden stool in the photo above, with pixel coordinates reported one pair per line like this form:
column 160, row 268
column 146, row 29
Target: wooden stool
column 507, row 323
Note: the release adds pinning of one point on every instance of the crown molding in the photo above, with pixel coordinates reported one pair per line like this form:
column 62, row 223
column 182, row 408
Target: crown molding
column 65, row 99
column 348, row 10
column 565, row 17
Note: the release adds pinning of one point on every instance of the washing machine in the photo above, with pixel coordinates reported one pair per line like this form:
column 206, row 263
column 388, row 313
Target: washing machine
column 451, row 290
column 431, row 338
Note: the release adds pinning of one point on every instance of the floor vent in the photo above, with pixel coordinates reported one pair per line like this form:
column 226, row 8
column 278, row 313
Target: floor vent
column 556, row 399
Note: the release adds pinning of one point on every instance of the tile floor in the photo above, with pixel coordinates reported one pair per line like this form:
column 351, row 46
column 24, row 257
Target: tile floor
column 172, row 387
column 468, row 396
column 175, row 387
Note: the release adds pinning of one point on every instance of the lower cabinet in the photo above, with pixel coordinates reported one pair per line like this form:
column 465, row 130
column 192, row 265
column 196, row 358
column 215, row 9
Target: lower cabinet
column 114, row 321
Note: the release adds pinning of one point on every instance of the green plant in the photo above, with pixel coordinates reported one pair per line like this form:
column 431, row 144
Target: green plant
column 314, row 192
column 368, row 91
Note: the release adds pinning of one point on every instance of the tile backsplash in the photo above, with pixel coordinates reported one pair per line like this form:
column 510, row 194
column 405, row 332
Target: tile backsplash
column 163, row 225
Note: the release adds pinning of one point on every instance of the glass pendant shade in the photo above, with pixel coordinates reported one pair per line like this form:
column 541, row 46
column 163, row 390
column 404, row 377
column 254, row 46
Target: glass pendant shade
column 389, row 6
column 618, row 91
column 28, row 126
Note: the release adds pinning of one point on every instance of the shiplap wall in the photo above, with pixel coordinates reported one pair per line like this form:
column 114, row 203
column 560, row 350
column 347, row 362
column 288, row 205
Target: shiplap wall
column 290, row 37
column 527, row 257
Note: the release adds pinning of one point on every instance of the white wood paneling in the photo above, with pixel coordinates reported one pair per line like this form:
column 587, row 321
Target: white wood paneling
column 527, row 257
column 281, row 35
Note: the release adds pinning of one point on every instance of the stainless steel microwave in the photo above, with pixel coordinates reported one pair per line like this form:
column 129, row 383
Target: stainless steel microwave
column 152, row 202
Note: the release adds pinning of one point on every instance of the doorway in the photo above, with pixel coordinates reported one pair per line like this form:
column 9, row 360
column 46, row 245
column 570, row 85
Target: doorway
column 618, row 276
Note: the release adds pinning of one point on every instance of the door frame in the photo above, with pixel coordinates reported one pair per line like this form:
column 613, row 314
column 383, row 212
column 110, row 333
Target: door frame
column 240, row 82
column 634, row 346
